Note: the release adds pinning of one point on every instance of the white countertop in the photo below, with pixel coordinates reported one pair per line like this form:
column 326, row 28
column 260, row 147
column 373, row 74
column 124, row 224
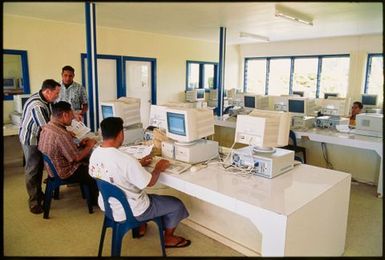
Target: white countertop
column 283, row 194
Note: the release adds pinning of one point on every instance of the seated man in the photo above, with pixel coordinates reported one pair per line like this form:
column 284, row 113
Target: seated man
column 112, row 165
column 356, row 109
column 68, row 158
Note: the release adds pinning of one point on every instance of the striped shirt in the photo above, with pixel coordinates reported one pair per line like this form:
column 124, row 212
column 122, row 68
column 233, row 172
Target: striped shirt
column 75, row 94
column 36, row 113
column 56, row 142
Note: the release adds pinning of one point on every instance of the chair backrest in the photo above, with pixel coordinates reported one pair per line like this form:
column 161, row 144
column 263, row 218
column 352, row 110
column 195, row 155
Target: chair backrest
column 51, row 166
column 293, row 138
column 109, row 190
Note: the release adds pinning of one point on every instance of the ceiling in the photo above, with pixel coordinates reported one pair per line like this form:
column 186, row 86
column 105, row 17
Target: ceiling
column 202, row 21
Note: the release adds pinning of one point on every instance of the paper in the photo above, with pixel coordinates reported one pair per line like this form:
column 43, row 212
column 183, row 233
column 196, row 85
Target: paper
column 78, row 128
column 138, row 151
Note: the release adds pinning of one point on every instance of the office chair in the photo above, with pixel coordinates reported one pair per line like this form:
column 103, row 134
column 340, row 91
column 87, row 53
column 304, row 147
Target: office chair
column 294, row 147
column 52, row 189
column 119, row 229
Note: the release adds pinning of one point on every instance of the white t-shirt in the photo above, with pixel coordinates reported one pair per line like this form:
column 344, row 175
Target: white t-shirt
column 124, row 171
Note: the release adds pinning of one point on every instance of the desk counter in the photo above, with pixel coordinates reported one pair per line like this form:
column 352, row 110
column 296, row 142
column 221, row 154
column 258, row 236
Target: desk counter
column 302, row 212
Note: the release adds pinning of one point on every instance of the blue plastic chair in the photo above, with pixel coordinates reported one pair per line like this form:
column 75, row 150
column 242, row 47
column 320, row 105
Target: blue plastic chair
column 294, row 147
column 52, row 189
column 119, row 229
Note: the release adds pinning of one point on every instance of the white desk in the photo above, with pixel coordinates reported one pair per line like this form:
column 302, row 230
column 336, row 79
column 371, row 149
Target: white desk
column 10, row 129
column 349, row 140
column 333, row 137
column 302, row 212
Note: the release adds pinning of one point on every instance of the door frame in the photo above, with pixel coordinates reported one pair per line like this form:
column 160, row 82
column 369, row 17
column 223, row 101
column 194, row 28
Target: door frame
column 153, row 76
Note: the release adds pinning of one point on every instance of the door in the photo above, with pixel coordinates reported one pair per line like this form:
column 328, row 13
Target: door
column 138, row 84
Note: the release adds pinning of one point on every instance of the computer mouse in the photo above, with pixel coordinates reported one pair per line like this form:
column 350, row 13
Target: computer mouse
column 197, row 167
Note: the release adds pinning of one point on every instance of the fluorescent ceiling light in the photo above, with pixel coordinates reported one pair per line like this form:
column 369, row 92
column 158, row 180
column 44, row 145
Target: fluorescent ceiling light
column 254, row 36
column 293, row 15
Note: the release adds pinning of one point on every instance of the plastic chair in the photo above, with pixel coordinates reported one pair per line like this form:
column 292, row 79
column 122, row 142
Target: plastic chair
column 52, row 189
column 294, row 147
column 119, row 229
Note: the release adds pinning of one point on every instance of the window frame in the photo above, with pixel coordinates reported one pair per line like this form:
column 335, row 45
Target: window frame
column 201, row 73
column 292, row 59
column 369, row 67
column 24, row 67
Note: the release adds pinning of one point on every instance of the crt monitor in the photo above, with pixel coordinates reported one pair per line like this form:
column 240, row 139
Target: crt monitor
column 299, row 93
column 263, row 128
column 186, row 125
column 158, row 116
column 297, row 106
column 329, row 94
column 127, row 109
column 19, row 102
column 194, row 95
column 369, row 100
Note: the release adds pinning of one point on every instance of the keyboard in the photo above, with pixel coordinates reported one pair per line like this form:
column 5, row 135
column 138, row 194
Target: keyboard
column 176, row 167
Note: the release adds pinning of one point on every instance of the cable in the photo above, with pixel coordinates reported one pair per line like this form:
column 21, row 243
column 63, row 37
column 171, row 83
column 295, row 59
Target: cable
column 329, row 165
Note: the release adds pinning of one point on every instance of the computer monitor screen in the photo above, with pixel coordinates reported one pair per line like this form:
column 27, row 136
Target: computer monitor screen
column 189, row 124
column 327, row 95
column 369, row 100
column 200, row 94
column 9, row 83
column 19, row 102
column 296, row 106
column 107, row 111
column 299, row 93
column 249, row 101
column 176, row 123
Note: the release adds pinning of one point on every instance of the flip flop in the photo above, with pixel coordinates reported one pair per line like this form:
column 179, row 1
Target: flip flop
column 180, row 244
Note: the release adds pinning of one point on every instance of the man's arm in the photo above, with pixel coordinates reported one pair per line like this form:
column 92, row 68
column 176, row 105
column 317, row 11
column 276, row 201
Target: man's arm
column 88, row 145
column 159, row 167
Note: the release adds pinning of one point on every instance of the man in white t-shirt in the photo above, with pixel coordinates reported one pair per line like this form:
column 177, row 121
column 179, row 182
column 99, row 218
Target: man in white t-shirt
column 110, row 164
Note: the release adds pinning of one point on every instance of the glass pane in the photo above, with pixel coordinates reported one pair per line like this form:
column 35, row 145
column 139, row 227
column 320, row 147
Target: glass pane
column 305, row 76
column 256, row 76
column 209, row 76
column 12, row 74
column 376, row 78
column 334, row 75
column 193, row 75
column 279, row 76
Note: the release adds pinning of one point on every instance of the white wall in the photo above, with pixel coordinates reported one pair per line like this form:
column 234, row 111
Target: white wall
column 51, row 45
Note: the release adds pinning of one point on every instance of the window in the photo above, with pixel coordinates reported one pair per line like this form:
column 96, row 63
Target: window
column 334, row 76
column 314, row 75
column 201, row 75
column 374, row 83
column 305, row 76
column 256, row 75
column 15, row 73
column 279, row 77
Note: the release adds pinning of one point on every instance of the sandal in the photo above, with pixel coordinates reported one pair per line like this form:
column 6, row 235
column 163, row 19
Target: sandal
column 180, row 244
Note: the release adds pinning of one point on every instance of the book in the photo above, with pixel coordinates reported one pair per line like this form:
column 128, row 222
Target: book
column 78, row 128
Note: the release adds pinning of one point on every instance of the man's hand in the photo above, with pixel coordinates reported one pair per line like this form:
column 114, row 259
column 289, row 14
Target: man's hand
column 145, row 160
column 162, row 165
column 78, row 115
column 89, row 142
column 72, row 133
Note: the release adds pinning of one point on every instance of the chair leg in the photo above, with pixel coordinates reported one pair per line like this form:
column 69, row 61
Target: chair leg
column 102, row 238
column 161, row 236
column 87, row 194
column 117, row 237
column 56, row 193
column 135, row 232
column 47, row 200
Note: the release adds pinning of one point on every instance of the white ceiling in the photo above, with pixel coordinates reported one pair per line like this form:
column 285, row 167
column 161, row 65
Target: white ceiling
column 202, row 20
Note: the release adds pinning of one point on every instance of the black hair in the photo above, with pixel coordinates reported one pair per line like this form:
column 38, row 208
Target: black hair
column 60, row 107
column 49, row 84
column 69, row 68
column 359, row 104
column 111, row 127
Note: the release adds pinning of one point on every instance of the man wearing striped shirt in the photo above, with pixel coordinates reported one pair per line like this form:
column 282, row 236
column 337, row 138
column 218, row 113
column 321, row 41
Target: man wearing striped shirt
column 36, row 113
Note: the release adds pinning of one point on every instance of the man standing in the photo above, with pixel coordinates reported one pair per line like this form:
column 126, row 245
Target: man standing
column 69, row 159
column 36, row 113
column 73, row 92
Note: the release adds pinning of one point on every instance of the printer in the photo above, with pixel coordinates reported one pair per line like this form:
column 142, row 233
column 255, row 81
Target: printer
column 369, row 124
